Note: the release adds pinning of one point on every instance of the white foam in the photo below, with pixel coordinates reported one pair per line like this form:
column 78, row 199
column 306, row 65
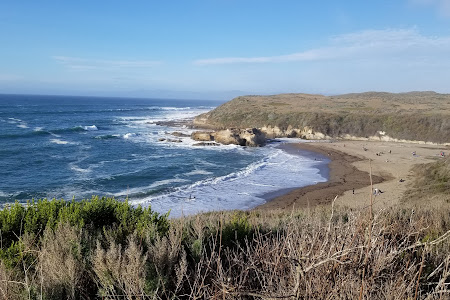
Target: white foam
column 175, row 108
column 165, row 114
column 15, row 120
column 90, row 128
column 78, row 169
column 129, row 135
column 165, row 182
column 198, row 172
column 61, row 142
column 38, row 128
column 242, row 189
column 150, row 187
column 18, row 122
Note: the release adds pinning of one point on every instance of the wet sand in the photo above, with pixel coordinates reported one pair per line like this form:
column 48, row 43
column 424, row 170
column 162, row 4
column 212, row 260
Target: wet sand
column 343, row 176
column 349, row 169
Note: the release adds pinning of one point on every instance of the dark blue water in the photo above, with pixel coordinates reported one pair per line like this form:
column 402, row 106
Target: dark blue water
column 75, row 147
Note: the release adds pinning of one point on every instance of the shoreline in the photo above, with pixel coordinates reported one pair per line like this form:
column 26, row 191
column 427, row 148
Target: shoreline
column 342, row 176
column 391, row 165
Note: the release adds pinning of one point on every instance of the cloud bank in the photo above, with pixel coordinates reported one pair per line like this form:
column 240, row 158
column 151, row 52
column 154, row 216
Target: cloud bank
column 367, row 45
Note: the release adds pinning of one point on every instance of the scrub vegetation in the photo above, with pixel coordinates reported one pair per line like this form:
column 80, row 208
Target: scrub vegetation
column 104, row 248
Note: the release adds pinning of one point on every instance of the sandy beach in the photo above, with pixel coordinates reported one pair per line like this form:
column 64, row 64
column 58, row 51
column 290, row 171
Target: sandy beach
column 350, row 165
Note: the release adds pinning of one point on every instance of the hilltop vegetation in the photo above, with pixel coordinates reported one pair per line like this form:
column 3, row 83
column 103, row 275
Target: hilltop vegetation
column 421, row 116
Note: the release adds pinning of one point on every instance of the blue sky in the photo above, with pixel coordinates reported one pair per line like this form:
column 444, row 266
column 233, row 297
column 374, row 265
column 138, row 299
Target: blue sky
column 221, row 48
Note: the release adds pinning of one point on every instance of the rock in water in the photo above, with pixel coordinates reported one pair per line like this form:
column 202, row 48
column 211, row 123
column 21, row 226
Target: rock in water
column 253, row 137
column 205, row 136
column 179, row 134
column 244, row 137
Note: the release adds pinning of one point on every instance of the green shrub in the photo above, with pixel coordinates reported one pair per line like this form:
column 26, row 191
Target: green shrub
column 236, row 230
column 93, row 214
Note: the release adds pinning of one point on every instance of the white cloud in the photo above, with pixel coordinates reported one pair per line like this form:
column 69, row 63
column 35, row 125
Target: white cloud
column 366, row 45
column 77, row 63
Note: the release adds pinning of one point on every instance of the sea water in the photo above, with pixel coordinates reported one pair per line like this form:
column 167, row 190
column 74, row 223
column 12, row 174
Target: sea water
column 76, row 147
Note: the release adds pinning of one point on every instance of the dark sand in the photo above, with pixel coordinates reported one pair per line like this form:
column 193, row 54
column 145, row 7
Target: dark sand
column 343, row 176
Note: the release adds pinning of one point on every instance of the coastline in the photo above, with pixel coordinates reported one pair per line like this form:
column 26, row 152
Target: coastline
column 342, row 176
column 391, row 165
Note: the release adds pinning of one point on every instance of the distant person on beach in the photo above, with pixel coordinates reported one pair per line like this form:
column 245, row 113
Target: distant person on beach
column 377, row 191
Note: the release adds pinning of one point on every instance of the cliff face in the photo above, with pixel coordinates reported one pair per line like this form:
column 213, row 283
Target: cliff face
column 415, row 116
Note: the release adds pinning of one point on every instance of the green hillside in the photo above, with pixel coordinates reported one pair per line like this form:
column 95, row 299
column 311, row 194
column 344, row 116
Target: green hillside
column 421, row 116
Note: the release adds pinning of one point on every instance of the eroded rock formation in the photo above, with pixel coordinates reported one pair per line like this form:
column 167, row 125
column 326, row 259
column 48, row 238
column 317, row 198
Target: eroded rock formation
column 251, row 137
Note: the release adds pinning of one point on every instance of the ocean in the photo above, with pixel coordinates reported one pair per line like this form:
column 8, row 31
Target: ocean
column 75, row 147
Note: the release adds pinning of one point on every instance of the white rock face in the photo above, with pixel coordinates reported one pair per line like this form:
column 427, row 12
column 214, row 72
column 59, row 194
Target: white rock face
column 304, row 133
column 309, row 134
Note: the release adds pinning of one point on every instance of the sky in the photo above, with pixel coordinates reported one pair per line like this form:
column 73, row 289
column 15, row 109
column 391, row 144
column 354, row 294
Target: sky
column 215, row 49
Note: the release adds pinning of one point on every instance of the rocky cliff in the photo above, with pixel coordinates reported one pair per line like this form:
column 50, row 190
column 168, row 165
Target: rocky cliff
column 414, row 116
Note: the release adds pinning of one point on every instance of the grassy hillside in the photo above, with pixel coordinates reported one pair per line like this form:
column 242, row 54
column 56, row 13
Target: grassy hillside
column 421, row 116
column 432, row 183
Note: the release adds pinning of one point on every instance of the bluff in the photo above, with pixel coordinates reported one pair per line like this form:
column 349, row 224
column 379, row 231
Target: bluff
column 412, row 116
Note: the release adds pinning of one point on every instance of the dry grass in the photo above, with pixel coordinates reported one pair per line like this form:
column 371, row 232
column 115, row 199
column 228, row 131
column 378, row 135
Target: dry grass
column 333, row 253
column 431, row 184
column 308, row 257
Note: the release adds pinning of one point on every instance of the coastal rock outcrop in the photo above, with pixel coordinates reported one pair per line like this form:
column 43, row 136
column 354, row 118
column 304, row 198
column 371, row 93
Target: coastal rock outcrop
column 206, row 144
column 251, row 137
column 204, row 136
column 179, row 134
column 306, row 133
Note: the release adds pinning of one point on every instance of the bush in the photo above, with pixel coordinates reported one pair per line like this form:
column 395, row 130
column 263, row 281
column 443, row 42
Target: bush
column 105, row 248
column 93, row 215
